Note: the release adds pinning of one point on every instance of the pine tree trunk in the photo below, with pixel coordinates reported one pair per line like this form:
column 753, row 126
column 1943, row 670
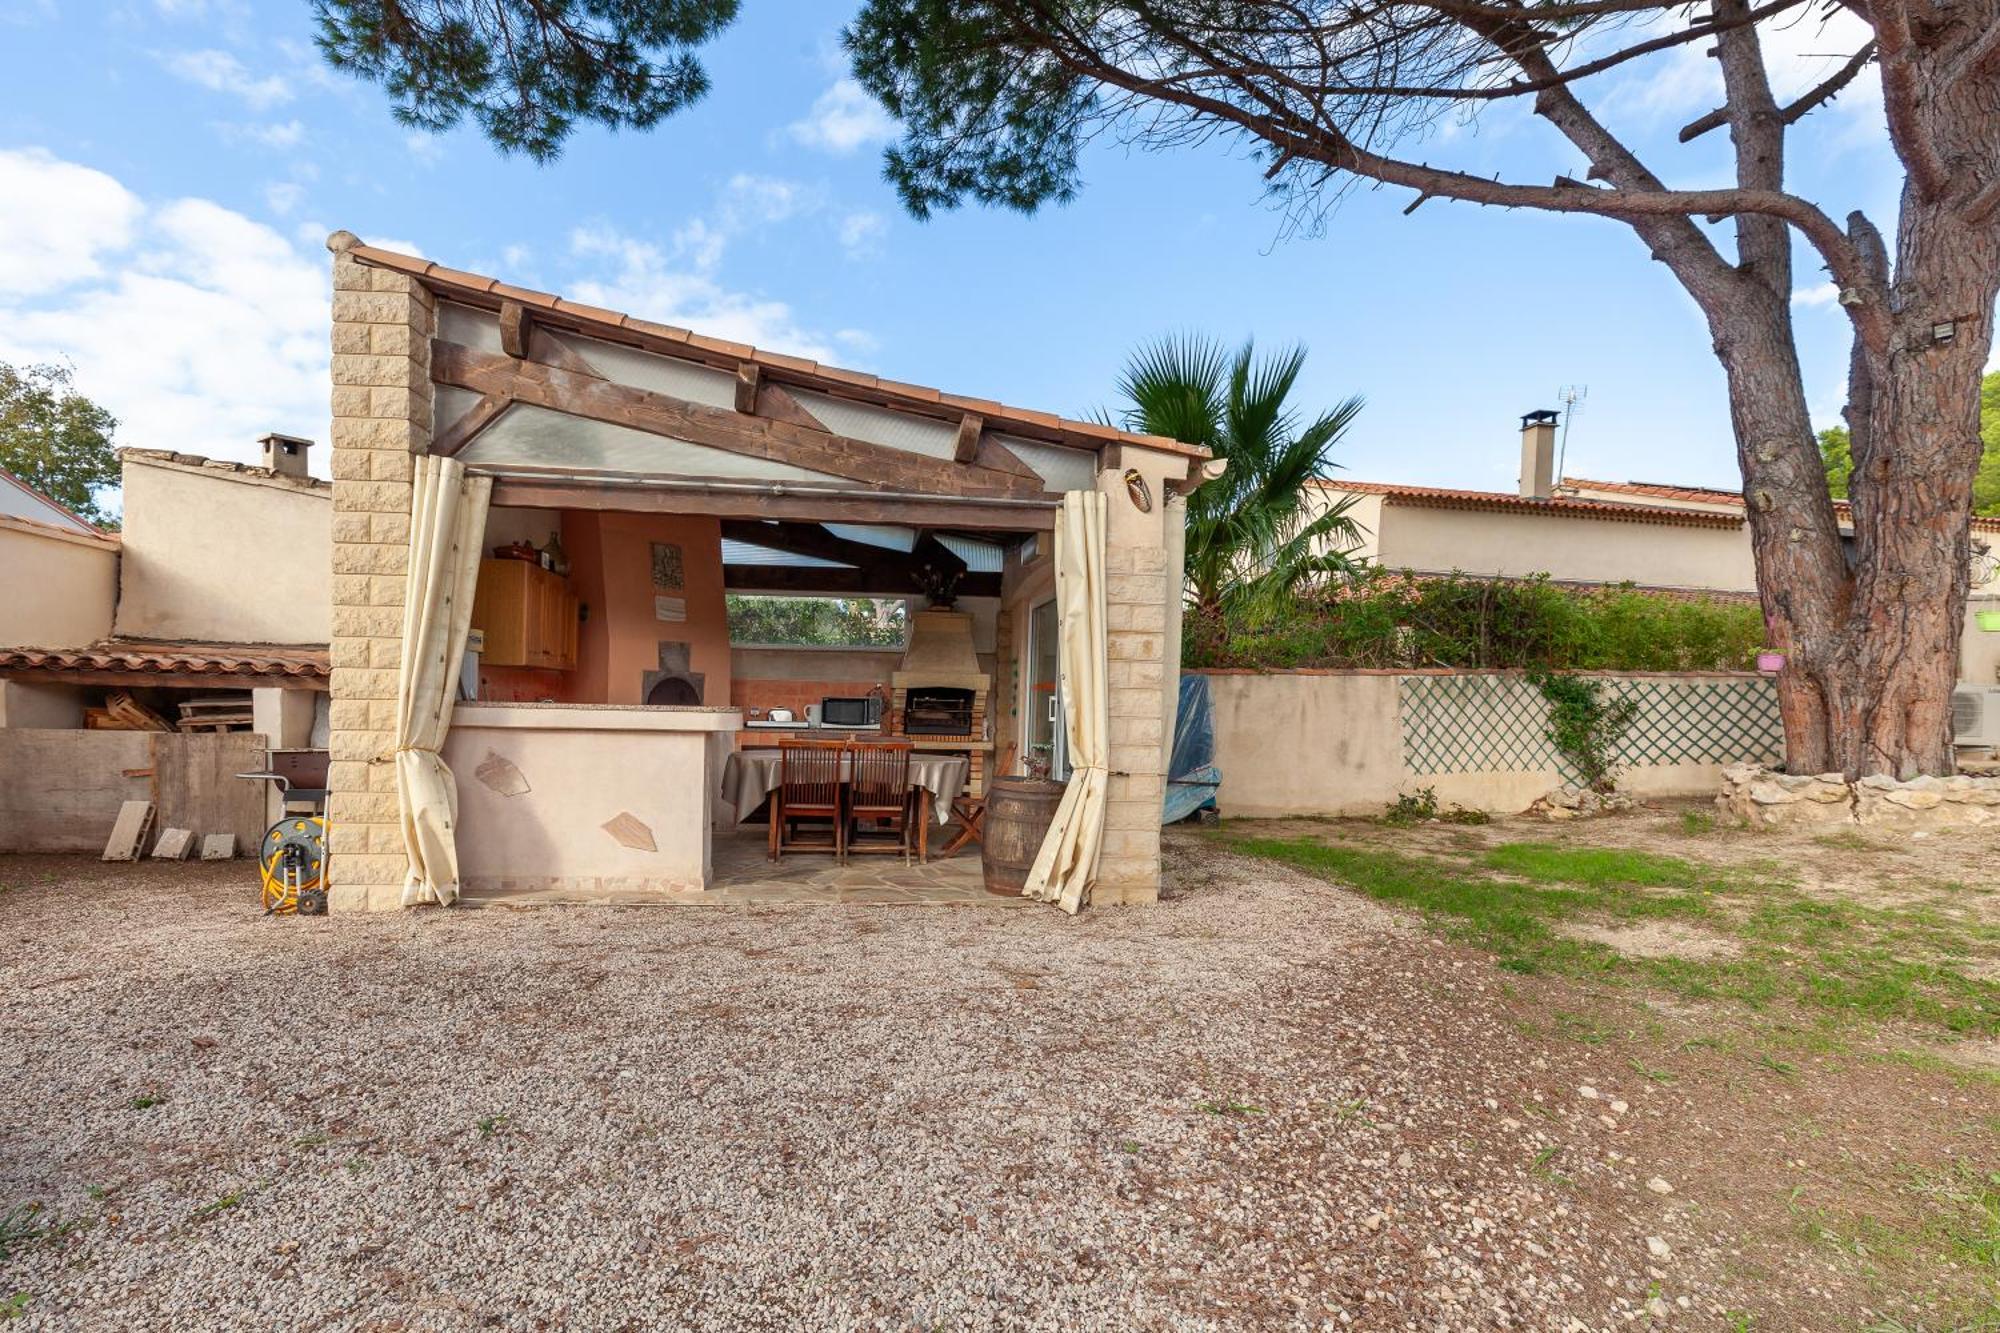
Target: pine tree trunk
column 1871, row 626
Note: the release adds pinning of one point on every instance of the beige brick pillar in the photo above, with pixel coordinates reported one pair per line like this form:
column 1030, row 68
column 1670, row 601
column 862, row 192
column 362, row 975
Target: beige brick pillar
column 1137, row 587
column 382, row 326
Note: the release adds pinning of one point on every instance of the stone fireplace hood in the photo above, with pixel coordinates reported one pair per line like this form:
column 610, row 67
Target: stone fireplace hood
column 940, row 652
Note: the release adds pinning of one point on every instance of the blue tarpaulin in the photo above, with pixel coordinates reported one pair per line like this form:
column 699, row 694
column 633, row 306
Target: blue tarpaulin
column 1192, row 777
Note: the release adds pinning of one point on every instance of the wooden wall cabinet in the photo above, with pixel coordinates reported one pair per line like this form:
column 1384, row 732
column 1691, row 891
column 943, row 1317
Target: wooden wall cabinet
column 527, row 614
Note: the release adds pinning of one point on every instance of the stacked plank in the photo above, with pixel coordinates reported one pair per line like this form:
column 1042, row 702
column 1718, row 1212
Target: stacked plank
column 217, row 712
column 121, row 712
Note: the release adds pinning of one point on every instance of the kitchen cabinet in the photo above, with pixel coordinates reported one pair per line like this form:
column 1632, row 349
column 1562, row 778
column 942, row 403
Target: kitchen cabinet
column 527, row 614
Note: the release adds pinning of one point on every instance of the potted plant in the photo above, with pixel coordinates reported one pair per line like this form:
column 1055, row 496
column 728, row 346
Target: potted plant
column 1987, row 620
column 1770, row 661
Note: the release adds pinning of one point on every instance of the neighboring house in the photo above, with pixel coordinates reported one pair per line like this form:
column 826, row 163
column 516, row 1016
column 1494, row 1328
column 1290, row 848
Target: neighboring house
column 61, row 578
column 1672, row 538
column 216, row 589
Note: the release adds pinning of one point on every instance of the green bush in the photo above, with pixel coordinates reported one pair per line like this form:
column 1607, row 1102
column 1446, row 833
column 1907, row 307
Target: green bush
column 1388, row 620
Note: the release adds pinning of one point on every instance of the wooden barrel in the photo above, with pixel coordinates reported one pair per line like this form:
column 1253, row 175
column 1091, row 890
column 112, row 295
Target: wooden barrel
column 1018, row 814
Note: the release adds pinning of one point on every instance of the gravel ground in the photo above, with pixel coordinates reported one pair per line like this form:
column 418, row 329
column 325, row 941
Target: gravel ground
column 1264, row 1103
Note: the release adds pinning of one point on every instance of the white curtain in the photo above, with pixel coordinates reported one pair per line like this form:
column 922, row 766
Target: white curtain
column 1066, row 866
column 447, row 529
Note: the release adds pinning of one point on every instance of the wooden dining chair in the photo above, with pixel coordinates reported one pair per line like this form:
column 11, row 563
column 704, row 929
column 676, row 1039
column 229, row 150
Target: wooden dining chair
column 971, row 812
column 880, row 808
column 808, row 796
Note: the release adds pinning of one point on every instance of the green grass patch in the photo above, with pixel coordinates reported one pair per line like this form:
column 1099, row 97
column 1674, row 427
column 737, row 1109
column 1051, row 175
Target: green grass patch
column 1844, row 960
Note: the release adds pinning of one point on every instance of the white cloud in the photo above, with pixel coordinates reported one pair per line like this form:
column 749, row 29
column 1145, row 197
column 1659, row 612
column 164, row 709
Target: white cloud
column 221, row 72
column 640, row 277
column 1685, row 82
column 1824, row 294
column 276, row 134
column 199, row 328
column 400, row 247
column 861, row 233
column 843, row 119
column 283, row 197
column 426, row 148
column 57, row 220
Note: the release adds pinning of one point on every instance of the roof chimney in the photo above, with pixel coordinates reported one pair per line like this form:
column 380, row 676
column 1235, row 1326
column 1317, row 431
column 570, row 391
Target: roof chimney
column 1538, row 454
column 285, row 454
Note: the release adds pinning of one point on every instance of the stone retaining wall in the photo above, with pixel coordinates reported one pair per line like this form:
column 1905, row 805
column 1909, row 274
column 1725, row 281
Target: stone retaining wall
column 1760, row 796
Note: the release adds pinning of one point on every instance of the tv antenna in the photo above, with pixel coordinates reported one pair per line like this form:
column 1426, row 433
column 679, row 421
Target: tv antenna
column 1571, row 395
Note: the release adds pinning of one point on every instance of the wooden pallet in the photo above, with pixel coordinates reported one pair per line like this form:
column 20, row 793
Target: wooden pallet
column 217, row 712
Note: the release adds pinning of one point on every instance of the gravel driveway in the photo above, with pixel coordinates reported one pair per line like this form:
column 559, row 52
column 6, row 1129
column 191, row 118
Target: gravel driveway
column 1263, row 1103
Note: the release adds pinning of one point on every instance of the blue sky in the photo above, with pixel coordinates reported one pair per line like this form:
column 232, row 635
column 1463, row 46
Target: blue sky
column 169, row 170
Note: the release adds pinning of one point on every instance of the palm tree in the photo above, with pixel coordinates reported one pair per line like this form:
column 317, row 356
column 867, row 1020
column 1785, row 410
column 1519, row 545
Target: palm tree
column 1256, row 535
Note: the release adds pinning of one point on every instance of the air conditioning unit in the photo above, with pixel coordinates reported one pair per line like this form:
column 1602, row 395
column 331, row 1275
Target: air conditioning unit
column 1975, row 715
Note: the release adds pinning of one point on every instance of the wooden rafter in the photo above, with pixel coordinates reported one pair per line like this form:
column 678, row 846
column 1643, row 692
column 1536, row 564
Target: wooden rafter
column 883, row 580
column 470, row 426
column 966, row 447
column 809, row 539
column 514, row 328
column 544, row 346
column 726, row 498
column 869, row 465
column 776, row 402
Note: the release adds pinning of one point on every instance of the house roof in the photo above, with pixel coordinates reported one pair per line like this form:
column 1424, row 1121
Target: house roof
column 1575, row 506
column 1439, row 497
column 665, row 339
column 24, row 502
column 223, row 468
column 173, row 661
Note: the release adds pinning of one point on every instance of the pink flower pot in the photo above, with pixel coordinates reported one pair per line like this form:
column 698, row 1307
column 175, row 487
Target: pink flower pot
column 1770, row 663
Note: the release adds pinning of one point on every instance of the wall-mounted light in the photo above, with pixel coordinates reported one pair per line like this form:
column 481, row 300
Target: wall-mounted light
column 1136, row 487
column 1944, row 331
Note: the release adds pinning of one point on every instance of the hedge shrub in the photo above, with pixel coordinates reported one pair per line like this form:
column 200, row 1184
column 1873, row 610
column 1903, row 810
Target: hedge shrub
column 1385, row 619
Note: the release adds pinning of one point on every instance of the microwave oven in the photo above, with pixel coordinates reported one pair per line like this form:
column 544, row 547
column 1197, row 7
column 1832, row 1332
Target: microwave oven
column 863, row 711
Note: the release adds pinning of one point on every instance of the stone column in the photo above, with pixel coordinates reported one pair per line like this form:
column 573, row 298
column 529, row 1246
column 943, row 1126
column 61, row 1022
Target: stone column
column 382, row 326
column 1137, row 585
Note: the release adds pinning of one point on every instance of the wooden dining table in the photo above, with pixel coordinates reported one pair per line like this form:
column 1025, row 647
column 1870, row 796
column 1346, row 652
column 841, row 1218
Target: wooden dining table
column 750, row 776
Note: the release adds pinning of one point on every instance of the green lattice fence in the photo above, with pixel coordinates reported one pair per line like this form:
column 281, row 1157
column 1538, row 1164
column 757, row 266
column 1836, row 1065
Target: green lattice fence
column 1490, row 722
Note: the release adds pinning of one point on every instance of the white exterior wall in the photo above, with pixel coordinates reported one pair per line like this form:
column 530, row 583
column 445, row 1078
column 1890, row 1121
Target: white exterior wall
column 57, row 590
column 221, row 557
column 1588, row 550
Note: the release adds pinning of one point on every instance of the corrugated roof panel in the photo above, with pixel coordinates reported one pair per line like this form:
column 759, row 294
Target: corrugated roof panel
column 660, row 374
column 880, row 425
column 979, row 557
column 743, row 553
column 1062, row 469
column 888, row 538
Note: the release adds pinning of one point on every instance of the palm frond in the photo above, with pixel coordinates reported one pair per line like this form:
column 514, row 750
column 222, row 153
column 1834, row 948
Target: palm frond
column 1258, row 533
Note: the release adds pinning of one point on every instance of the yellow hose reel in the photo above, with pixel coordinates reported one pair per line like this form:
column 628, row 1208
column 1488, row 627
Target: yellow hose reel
column 292, row 858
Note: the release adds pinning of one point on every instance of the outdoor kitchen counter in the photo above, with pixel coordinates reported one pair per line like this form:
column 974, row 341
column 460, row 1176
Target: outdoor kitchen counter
column 589, row 799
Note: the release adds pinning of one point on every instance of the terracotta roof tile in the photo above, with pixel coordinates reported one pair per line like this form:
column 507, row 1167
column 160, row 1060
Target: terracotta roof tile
column 448, row 281
column 169, row 658
column 433, row 273
column 1713, row 495
column 1440, row 497
column 669, row 332
column 783, row 362
column 593, row 312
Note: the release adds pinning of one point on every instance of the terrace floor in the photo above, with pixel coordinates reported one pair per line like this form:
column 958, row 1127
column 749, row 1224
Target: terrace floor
column 745, row 877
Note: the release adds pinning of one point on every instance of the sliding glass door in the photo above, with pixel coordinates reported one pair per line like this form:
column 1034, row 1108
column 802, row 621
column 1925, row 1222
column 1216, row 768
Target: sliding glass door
column 1047, row 739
